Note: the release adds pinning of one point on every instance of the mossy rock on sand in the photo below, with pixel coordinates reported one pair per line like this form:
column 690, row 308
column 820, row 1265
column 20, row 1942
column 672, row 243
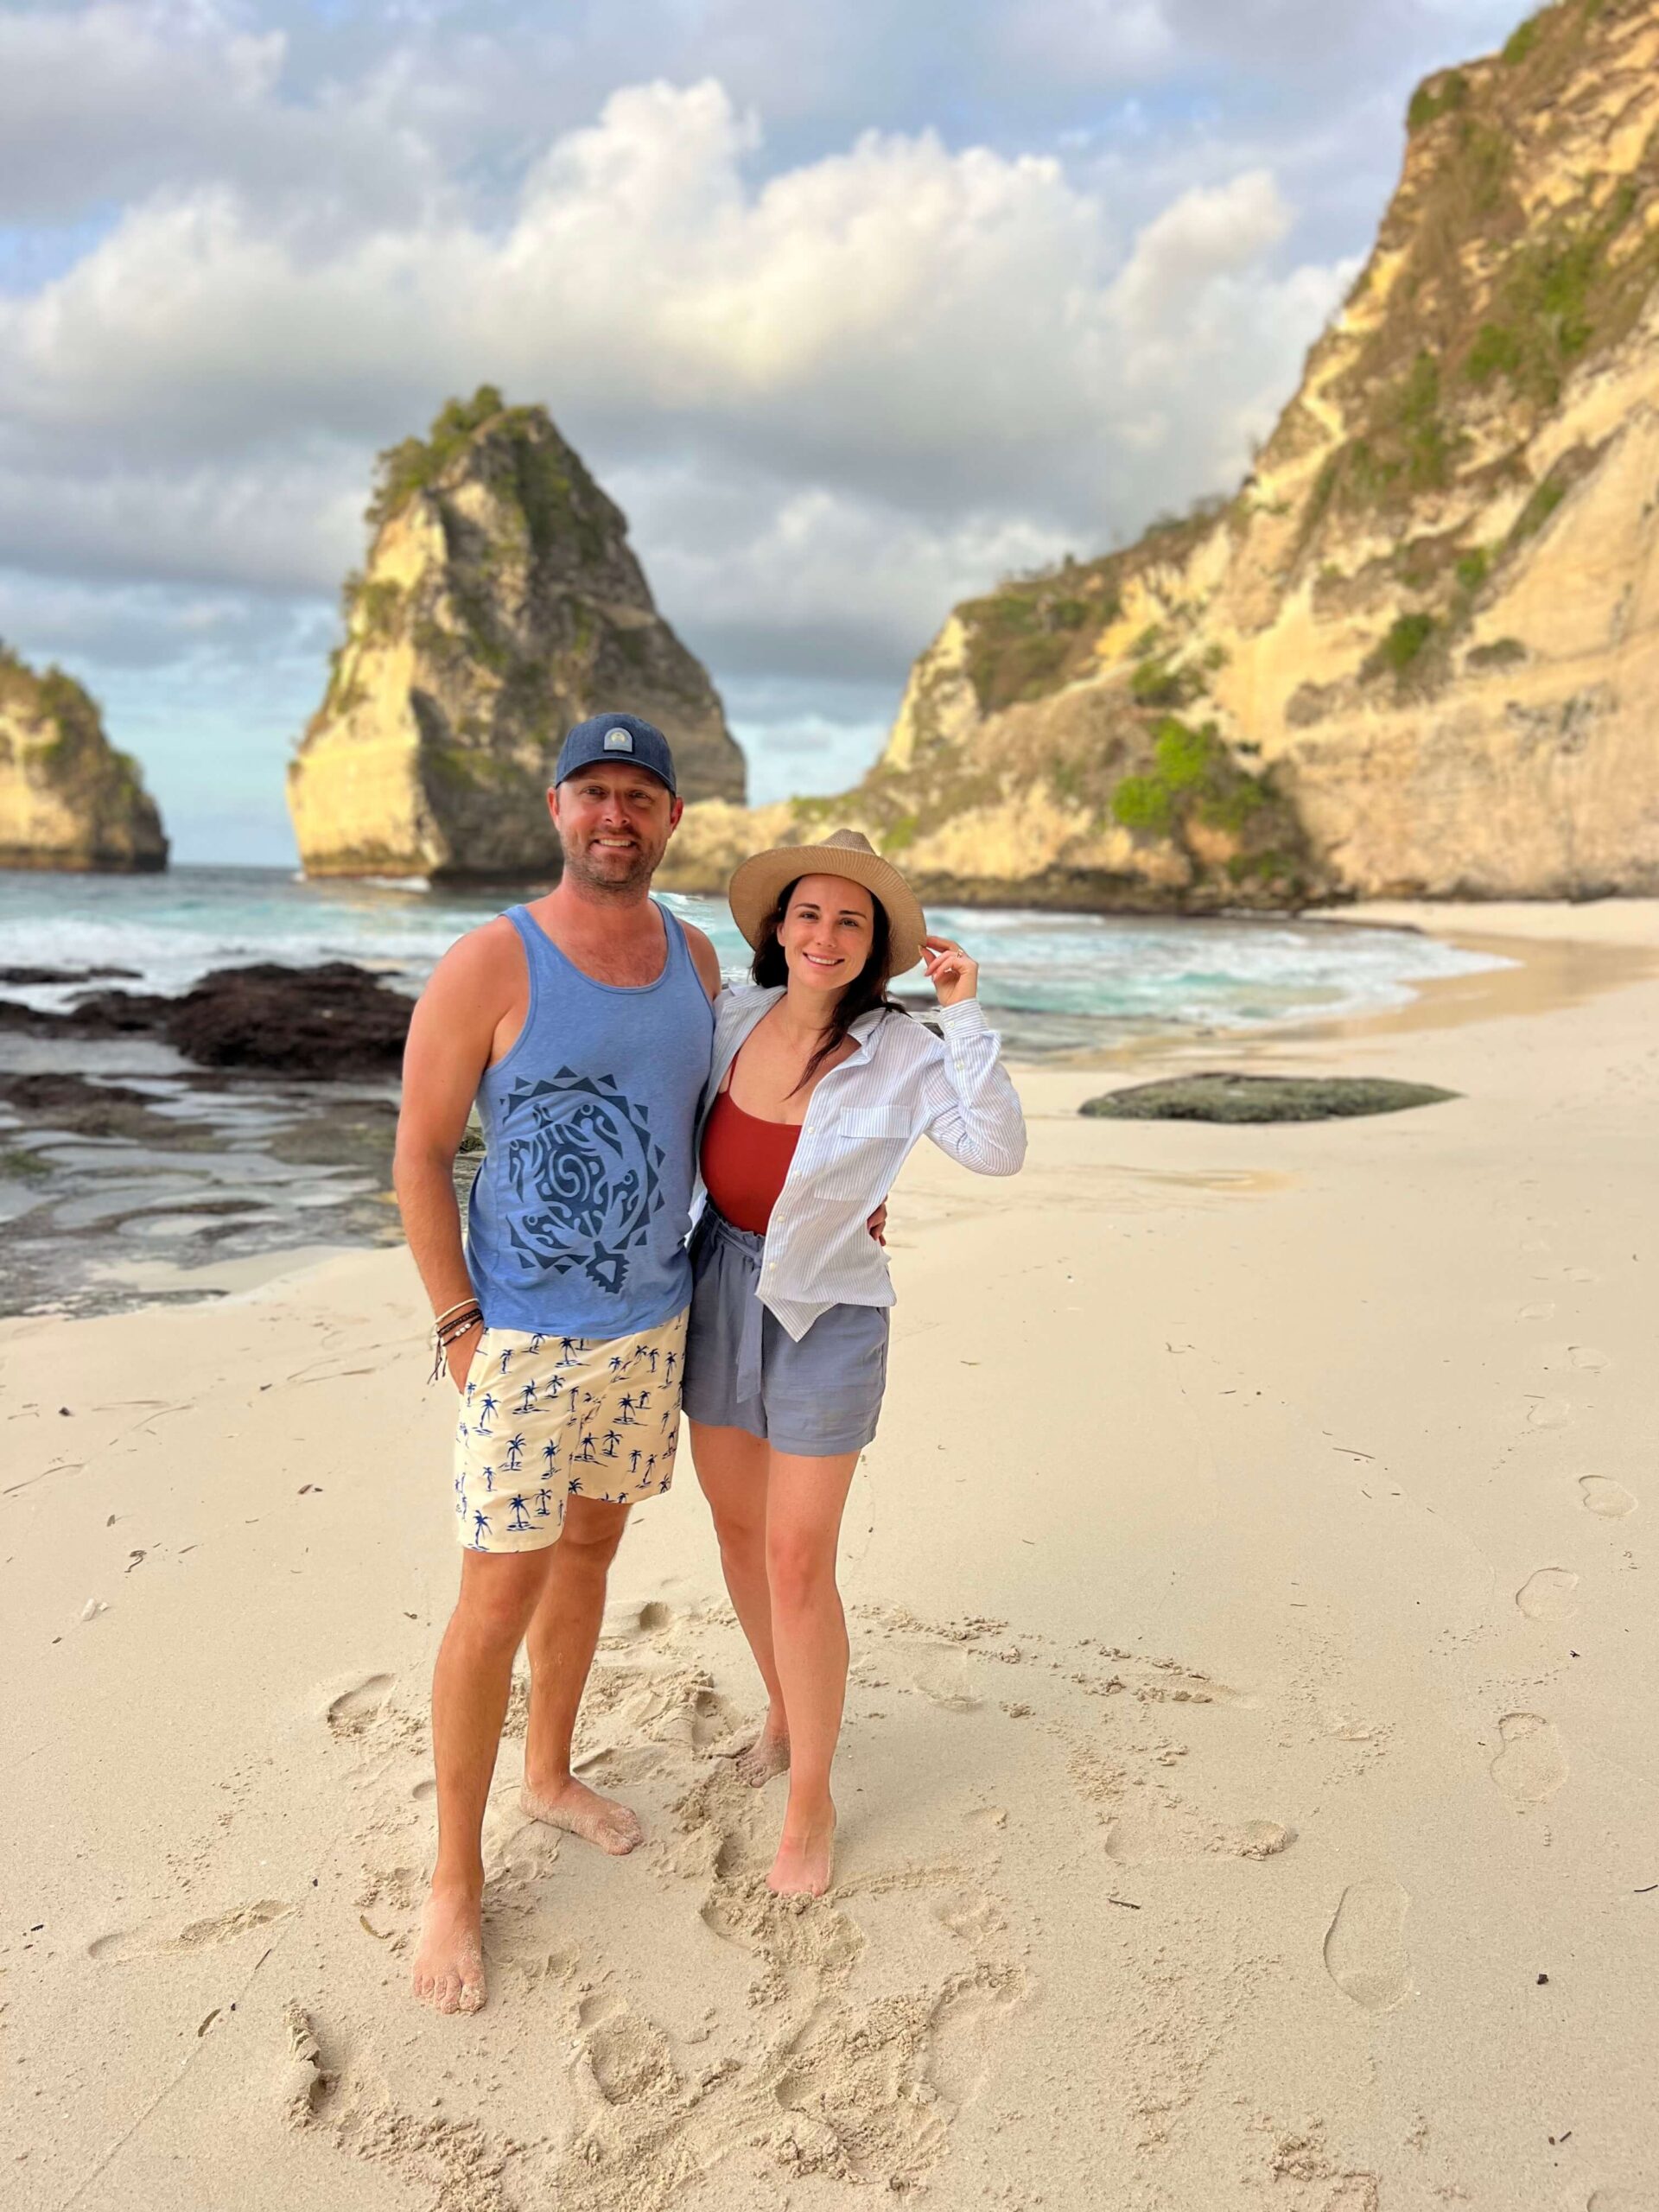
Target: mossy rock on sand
column 1218, row 1098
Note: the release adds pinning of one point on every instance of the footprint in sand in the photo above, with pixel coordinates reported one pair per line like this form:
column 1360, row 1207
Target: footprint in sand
column 1175, row 1836
column 351, row 1712
column 1550, row 1413
column 305, row 2082
column 1365, row 1945
column 1532, row 1765
column 1623, row 2200
column 628, row 1620
column 946, row 1681
column 629, row 2056
column 1601, row 1493
column 1537, row 1313
column 148, row 1942
column 1547, row 1595
column 1587, row 1358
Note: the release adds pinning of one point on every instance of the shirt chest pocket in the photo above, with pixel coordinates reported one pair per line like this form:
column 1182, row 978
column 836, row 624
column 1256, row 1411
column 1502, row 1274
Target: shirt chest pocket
column 864, row 1149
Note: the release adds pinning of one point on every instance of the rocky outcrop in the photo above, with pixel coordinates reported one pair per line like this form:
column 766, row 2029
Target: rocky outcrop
column 1241, row 1098
column 500, row 602
column 332, row 1021
column 67, row 798
column 1417, row 653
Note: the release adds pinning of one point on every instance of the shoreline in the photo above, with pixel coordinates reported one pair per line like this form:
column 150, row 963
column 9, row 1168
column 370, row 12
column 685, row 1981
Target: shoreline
column 1553, row 966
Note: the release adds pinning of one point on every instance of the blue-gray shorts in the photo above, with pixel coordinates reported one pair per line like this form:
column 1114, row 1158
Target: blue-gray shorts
column 743, row 1369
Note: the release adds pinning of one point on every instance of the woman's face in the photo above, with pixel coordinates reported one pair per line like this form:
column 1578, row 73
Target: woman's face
column 827, row 932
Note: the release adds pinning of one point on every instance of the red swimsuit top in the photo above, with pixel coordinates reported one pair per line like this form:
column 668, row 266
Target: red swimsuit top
column 745, row 1161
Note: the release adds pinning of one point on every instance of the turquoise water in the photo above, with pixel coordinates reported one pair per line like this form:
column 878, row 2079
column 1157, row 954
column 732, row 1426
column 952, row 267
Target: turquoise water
column 1056, row 983
column 213, row 1167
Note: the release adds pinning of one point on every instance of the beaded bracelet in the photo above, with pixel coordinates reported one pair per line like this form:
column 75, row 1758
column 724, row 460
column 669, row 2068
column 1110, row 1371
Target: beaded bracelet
column 461, row 1321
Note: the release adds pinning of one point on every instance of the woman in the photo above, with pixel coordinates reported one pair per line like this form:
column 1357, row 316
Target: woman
column 820, row 1087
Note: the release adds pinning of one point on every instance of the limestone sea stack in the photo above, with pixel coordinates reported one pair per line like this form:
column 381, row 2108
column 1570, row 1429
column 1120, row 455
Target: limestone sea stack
column 1417, row 653
column 499, row 603
column 67, row 798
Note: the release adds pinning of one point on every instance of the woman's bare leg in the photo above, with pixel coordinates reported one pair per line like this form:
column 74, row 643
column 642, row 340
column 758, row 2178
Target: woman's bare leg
column 805, row 1498
column 732, row 1467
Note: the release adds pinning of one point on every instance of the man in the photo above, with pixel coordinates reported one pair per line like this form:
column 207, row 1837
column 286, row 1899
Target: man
column 581, row 1023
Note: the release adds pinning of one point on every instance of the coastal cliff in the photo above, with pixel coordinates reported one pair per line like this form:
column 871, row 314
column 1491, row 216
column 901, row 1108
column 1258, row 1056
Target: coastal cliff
column 499, row 603
column 1417, row 653
column 67, row 798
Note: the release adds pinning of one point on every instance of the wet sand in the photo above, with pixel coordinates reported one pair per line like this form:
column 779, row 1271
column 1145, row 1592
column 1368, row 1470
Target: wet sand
column 1248, row 1794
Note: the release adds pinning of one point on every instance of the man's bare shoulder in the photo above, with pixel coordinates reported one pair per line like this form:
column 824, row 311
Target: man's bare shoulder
column 704, row 959
column 487, row 961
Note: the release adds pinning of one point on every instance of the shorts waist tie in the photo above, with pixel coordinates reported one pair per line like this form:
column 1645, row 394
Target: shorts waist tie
column 746, row 1247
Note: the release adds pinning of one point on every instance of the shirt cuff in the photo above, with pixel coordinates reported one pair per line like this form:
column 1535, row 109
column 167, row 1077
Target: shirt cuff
column 967, row 1014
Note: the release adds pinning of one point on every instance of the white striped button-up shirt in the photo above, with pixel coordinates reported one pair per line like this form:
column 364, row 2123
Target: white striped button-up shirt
column 862, row 1121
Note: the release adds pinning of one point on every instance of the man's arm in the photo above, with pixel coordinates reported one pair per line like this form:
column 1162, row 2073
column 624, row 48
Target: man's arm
column 450, row 1041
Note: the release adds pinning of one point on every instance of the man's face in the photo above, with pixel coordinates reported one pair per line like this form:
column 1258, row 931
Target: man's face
column 614, row 820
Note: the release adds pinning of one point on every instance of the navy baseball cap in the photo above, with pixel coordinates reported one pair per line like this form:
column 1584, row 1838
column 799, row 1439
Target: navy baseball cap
column 616, row 737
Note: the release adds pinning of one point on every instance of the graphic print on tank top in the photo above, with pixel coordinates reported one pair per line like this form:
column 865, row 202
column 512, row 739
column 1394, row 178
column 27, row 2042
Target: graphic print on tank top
column 586, row 1171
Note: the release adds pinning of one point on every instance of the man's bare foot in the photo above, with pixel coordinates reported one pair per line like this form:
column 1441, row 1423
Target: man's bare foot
column 572, row 1805
column 448, row 1972
column 804, row 1851
column 765, row 1755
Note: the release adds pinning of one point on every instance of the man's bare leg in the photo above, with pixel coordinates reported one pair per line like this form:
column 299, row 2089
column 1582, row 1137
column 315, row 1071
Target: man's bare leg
column 470, row 1685
column 562, row 1637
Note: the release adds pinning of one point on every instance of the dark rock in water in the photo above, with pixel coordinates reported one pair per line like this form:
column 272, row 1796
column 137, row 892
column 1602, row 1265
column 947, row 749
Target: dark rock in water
column 332, row 1021
column 336, row 1021
column 117, row 1014
column 57, row 1093
column 14, row 976
column 85, row 1108
column 1222, row 1097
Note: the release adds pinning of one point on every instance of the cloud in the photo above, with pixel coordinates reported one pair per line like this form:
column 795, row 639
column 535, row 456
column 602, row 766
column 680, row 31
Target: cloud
column 839, row 367
column 1204, row 235
column 947, row 332
column 104, row 103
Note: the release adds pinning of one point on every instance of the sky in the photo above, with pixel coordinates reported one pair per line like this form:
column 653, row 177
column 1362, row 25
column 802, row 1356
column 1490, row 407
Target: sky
column 853, row 310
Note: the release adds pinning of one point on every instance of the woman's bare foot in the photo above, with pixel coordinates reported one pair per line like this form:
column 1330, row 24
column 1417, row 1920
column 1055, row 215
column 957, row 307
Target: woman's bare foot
column 765, row 1755
column 448, row 1974
column 804, row 1852
column 572, row 1805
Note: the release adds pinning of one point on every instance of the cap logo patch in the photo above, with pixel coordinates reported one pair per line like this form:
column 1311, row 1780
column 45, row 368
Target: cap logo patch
column 618, row 740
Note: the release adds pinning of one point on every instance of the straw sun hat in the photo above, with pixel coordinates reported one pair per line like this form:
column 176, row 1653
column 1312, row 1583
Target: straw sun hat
column 754, row 890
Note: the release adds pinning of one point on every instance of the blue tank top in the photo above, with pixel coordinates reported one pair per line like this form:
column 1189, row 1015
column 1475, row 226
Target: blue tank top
column 577, row 1222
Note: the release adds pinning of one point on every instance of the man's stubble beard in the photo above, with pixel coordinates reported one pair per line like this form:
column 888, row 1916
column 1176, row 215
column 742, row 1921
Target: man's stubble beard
column 608, row 886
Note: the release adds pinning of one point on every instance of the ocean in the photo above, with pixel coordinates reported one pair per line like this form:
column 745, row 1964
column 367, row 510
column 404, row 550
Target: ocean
column 1059, row 982
column 196, row 1168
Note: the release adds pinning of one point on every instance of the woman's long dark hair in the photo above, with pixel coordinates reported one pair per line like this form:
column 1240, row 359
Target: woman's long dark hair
column 867, row 990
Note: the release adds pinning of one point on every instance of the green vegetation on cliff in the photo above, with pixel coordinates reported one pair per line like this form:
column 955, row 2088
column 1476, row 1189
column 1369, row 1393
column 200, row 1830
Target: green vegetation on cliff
column 1193, row 779
column 1033, row 635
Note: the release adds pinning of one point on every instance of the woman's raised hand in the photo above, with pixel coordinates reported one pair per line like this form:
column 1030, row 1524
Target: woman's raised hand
column 951, row 973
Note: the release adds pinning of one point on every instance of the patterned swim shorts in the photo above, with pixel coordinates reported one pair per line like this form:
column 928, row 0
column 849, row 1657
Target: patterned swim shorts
column 545, row 1418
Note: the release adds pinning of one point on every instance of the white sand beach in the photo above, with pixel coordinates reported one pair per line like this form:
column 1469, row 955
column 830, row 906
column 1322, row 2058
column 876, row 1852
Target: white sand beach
column 1248, row 1796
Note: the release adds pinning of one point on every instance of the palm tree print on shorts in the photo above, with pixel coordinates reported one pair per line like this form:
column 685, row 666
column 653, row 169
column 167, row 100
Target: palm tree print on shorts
column 572, row 1388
